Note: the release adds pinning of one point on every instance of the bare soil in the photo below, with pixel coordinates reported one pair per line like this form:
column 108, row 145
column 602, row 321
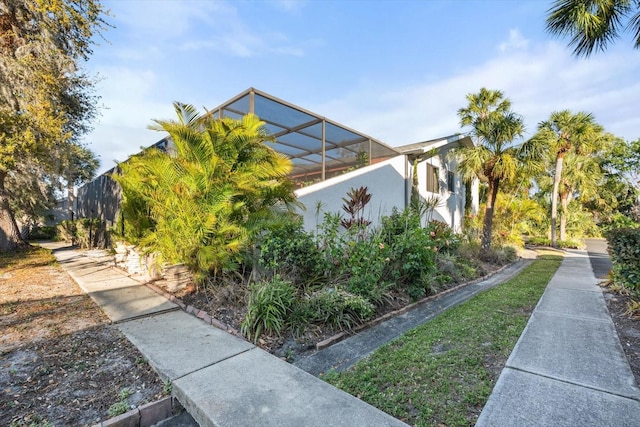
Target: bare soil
column 628, row 328
column 61, row 362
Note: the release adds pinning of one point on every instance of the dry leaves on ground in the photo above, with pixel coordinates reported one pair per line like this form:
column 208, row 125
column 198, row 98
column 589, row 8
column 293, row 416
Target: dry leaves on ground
column 61, row 361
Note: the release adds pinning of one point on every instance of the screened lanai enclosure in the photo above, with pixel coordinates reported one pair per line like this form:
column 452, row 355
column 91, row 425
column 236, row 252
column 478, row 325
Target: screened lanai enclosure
column 318, row 147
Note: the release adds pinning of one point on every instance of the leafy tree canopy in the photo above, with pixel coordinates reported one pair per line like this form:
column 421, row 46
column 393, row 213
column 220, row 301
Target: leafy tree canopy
column 46, row 99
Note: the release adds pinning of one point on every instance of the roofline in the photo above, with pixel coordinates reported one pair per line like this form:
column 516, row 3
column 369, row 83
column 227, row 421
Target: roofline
column 303, row 110
column 424, row 146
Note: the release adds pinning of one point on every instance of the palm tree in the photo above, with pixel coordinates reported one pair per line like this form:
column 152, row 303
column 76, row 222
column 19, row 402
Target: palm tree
column 205, row 199
column 562, row 134
column 494, row 159
column 593, row 24
column 580, row 178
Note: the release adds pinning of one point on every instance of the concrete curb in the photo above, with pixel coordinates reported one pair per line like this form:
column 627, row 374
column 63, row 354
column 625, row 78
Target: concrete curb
column 145, row 415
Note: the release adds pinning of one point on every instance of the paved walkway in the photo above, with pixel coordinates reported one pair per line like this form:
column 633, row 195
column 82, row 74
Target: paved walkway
column 568, row 367
column 220, row 379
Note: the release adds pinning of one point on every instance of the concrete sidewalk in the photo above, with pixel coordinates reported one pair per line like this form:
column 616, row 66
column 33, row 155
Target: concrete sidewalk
column 220, row 379
column 568, row 367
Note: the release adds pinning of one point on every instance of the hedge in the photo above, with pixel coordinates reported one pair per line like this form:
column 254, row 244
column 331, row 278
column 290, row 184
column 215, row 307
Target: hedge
column 624, row 248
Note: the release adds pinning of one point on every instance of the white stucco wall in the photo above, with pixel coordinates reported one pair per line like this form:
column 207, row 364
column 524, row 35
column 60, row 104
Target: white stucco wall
column 389, row 183
column 385, row 182
column 451, row 207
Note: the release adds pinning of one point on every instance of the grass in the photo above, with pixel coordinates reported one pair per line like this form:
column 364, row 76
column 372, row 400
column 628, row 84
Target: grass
column 442, row 373
column 28, row 258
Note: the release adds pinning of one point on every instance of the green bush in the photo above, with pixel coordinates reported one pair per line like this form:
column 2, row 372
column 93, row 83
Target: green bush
column 624, row 247
column 289, row 251
column 563, row 244
column 412, row 264
column 364, row 267
column 619, row 220
column 269, row 304
column 398, row 223
column 43, row 233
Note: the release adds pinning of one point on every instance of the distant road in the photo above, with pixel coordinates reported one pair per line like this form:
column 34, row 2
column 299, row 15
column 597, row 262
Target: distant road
column 599, row 257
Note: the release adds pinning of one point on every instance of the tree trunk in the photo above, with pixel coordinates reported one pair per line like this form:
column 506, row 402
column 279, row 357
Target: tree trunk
column 554, row 198
column 10, row 238
column 492, row 194
column 70, row 198
column 564, row 203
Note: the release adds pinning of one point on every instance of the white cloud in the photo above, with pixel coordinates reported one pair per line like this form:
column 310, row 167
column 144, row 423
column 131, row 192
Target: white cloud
column 516, row 42
column 289, row 6
column 245, row 44
column 128, row 96
column 538, row 83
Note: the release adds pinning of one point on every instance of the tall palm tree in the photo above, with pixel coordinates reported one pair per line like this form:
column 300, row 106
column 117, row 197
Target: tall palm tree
column 494, row 159
column 205, row 199
column 564, row 133
column 580, row 178
column 593, row 24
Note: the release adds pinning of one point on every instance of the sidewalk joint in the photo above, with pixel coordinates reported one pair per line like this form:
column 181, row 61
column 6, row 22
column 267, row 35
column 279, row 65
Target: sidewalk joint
column 637, row 399
column 214, row 363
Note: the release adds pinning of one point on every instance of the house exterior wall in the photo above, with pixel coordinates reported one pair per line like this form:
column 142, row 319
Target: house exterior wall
column 101, row 198
column 385, row 182
column 450, row 208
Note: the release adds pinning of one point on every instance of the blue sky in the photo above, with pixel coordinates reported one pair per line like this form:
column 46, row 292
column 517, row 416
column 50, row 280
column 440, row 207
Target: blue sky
column 397, row 70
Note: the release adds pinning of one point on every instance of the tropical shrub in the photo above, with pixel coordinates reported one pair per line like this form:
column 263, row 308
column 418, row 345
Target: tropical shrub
column 412, row 264
column 201, row 204
column 563, row 244
column 624, row 247
column 364, row 266
column 354, row 206
column 287, row 250
column 514, row 218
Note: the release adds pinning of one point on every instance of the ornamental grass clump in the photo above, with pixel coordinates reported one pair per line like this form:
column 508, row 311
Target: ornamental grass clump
column 270, row 302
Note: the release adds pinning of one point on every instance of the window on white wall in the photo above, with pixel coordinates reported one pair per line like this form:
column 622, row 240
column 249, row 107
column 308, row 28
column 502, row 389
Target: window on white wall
column 433, row 184
column 451, row 181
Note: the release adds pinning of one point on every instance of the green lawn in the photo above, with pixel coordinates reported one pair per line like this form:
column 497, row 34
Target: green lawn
column 443, row 372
